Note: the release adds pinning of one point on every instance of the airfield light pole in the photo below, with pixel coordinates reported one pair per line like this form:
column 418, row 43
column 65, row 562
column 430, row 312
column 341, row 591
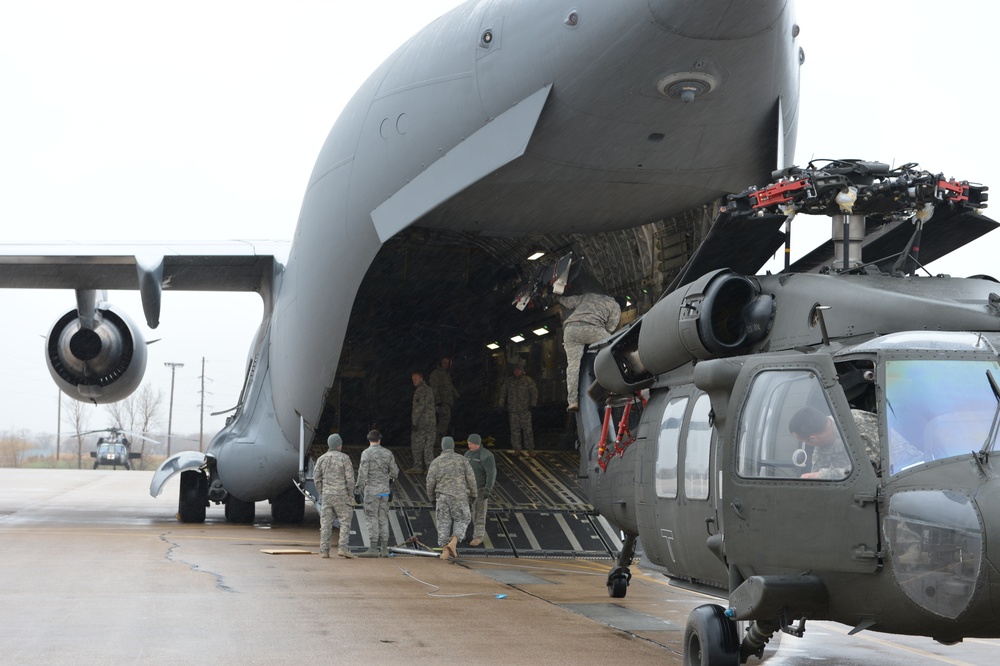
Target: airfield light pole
column 170, row 413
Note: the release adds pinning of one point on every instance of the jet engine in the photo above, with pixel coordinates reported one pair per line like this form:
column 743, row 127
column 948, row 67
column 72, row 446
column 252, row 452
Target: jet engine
column 98, row 359
column 720, row 314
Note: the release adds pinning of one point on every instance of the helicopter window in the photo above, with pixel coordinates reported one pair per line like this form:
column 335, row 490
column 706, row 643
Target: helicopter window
column 666, row 449
column 787, row 430
column 937, row 408
column 936, row 546
column 697, row 450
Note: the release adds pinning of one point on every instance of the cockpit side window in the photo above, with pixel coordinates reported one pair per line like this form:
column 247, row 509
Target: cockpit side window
column 787, row 430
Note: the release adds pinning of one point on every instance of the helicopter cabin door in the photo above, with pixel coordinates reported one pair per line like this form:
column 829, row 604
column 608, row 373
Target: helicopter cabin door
column 799, row 488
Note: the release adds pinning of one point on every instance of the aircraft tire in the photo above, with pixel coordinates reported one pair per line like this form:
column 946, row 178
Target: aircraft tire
column 617, row 586
column 289, row 507
column 710, row 638
column 239, row 512
column 193, row 497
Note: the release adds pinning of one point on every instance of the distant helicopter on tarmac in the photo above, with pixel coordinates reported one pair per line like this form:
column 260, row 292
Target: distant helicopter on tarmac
column 115, row 450
column 815, row 444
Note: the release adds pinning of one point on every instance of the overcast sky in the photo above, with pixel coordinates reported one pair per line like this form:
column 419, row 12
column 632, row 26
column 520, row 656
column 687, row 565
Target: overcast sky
column 202, row 120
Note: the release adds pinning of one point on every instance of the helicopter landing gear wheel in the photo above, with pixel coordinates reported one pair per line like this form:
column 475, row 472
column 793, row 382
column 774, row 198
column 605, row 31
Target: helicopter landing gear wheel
column 710, row 638
column 618, row 581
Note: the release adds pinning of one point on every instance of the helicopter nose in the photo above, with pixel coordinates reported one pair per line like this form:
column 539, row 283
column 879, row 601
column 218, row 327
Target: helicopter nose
column 935, row 540
column 717, row 19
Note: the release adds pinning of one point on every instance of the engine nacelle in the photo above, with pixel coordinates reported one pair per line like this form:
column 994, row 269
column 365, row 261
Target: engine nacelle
column 720, row 314
column 102, row 364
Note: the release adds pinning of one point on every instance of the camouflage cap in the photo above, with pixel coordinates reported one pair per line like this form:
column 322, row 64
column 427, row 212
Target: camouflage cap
column 447, row 444
column 334, row 441
column 475, row 439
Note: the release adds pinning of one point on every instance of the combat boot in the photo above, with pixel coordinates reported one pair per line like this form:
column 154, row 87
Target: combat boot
column 475, row 542
column 324, row 553
column 346, row 554
column 371, row 552
column 452, row 547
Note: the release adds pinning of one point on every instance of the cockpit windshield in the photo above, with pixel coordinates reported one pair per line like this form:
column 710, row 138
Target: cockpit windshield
column 940, row 408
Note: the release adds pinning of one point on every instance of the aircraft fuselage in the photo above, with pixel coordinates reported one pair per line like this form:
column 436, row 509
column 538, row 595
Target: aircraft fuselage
column 507, row 118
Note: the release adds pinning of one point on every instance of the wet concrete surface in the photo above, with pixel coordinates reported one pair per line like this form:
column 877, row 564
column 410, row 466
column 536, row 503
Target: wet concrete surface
column 95, row 571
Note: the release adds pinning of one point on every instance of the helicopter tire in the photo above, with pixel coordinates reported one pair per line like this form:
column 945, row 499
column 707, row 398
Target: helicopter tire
column 710, row 638
column 288, row 507
column 617, row 585
column 193, row 497
column 239, row 512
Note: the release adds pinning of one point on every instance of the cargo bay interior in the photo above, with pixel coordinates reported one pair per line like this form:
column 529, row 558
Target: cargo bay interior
column 432, row 293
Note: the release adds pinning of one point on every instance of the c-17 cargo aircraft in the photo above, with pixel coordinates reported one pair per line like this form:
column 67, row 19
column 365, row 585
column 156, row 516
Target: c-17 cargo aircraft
column 500, row 128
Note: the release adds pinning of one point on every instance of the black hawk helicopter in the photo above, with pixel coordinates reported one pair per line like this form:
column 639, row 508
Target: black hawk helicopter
column 114, row 450
column 814, row 444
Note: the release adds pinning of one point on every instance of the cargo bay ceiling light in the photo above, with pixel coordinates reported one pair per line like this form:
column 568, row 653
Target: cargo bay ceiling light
column 517, row 338
column 541, row 331
column 536, row 256
column 493, row 345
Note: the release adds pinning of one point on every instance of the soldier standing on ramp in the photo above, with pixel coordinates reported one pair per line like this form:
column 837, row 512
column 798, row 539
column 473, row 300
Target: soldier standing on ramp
column 424, row 421
column 519, row 394
column 444, row 394
column 452, row 482
column 334, row 478
column 376, row 472
column 485, row 469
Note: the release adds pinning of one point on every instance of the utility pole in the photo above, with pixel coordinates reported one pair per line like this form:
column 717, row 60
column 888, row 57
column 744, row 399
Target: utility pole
column 170, row 414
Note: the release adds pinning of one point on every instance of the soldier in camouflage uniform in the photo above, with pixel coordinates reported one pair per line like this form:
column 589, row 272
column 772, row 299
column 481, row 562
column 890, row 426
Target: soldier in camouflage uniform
column 376, row 472
column 444, row 394
column 451, row 483
column 830, row 460
column 593, row 318
column 519, row 394
column 484, row 466
column 334, row 478
column 424, row 425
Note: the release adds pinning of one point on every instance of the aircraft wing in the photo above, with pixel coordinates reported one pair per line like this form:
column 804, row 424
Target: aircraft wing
column 148, row 267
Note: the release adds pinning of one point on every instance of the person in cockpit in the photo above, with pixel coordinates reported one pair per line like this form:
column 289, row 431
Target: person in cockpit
column 812, row 427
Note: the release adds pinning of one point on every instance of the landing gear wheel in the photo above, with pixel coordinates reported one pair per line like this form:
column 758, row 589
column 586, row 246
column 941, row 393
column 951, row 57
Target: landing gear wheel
column 710, row 638
column 617, row 586
column 289, row 507
column 193, row 497
column 239, row 511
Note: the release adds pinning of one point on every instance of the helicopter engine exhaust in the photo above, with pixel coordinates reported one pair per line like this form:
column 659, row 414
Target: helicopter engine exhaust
column 721, row 314
column 99, row 359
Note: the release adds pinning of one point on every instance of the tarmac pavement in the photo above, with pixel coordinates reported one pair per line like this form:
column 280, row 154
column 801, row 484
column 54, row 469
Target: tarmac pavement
column 95, row 571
